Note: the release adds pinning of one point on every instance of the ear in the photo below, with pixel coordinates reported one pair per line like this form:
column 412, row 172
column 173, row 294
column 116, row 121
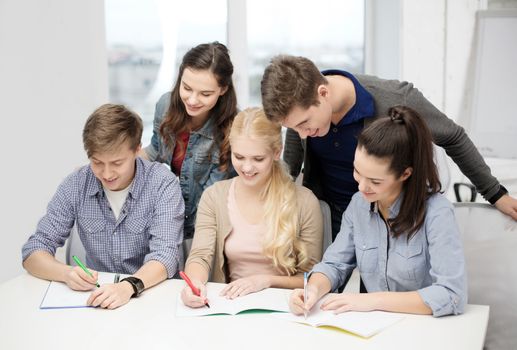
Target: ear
column 278, row 154
column 223, row 91
column 323, row 90
column 406, row 174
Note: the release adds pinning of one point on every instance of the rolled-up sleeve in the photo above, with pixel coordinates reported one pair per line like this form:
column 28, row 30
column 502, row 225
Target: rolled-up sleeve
column 54, row 228
column 448, row 292
column 166, row 230
column 339, row 259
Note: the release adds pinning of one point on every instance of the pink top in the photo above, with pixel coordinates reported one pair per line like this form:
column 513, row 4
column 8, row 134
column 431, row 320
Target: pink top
column 243, row 246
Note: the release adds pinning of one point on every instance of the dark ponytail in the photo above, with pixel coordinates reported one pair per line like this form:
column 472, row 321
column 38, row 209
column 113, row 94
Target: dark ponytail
column 404, row 138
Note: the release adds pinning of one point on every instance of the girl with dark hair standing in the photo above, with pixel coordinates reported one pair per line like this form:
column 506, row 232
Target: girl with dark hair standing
column 192, row 121
column 398, row 230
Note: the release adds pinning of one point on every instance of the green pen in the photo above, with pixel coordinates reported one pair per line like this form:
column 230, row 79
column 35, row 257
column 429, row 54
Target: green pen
column 80, row 264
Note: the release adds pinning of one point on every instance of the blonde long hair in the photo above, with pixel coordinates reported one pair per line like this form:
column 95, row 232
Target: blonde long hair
column 281, row 243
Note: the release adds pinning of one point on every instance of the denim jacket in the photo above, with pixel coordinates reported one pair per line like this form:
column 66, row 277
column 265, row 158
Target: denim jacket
column 200, row 167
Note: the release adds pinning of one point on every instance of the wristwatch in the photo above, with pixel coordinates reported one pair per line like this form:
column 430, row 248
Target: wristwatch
column 136, row 283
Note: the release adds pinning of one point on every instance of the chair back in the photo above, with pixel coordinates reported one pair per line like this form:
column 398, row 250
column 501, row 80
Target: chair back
column 327, row 225
column 490, row 244
column 74, row 246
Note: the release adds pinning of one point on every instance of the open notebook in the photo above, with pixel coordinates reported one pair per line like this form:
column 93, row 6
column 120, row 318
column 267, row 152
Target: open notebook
column 60, row 296
column 364, row 324
column 270, row 299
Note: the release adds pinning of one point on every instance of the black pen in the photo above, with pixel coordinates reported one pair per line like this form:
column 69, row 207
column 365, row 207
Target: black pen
column 117, row 278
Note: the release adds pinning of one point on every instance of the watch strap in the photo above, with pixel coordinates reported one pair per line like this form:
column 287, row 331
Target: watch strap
column 136, row 283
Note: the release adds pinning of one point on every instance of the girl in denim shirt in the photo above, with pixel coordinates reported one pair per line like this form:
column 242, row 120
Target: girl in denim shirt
column 191, row 123
column 398, row 230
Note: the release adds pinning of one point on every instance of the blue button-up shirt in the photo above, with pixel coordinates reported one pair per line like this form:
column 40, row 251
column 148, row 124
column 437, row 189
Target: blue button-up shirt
column 150, row 225
column 431, row 262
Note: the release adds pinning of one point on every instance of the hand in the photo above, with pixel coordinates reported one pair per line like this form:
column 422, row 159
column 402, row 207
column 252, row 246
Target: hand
column 341, row 302
column 111, row 296
column 298, row 305
column 77, row 279
column 247, row 285
column 508, row 205
column 190, row 299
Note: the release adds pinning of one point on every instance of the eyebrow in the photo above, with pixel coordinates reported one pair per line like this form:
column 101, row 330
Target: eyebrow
column 111, row 161
column 301, row 123
column 369, row 178
column 202, row 91
column 253, row 156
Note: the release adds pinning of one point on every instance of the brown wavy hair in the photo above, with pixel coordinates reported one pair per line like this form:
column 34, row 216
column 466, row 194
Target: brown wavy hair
column 109, row 126
column 288, row 82
column 404, row 139
column 215, row 58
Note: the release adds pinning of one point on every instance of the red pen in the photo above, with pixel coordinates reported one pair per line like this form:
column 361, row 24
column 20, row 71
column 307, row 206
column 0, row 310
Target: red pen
column 195, row 290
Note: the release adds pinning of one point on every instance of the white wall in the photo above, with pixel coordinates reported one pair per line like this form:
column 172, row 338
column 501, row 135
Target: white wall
column 428, row 43
column 53, row 73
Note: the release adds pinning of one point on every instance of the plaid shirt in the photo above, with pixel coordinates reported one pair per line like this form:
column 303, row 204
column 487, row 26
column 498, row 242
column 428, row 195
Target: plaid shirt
column 150, row 225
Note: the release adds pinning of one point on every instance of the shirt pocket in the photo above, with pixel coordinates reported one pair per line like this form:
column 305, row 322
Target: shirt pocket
column 203, row 166
column 367, row 255
column 136, row 225
column 90, row 225
column 410, row 262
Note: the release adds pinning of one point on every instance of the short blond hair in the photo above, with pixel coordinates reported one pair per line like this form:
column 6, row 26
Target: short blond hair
column 109, row 126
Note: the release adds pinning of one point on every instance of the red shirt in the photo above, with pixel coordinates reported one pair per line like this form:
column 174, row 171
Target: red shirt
column 179, row 152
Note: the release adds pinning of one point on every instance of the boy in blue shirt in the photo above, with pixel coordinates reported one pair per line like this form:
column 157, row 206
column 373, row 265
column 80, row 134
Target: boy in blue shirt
column 128, row 213
column 329, row 109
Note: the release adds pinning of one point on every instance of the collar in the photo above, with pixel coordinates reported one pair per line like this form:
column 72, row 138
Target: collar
column 94, row 187
column 207, row 130
column 363, row 107
column 394, row 208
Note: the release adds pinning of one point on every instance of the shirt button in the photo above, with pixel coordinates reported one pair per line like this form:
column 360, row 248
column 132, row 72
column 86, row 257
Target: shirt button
column 335, row 130
column 186, row 216
column 364, row 246
column 336, row 144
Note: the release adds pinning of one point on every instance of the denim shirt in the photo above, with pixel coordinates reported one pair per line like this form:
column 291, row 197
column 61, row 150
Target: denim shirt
column 431, row 262
column 200, row 167
column 150, row 225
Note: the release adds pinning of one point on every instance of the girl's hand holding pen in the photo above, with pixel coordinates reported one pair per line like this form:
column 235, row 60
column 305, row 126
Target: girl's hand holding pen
column 192, row 300
column 298, row 305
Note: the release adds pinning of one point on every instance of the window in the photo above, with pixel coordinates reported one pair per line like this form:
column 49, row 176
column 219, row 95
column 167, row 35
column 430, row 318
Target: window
column 146, row 41
column 330, row 33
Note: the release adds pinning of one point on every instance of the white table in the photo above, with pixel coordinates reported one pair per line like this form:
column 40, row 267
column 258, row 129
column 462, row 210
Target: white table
column 148, row 322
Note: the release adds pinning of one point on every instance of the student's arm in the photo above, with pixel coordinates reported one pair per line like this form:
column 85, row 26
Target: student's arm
column 52, row 232
column 452, row 137
column 405, row 302
column 293, row 152
column 43, row 265
column 114, row 295
column 199, row 262
column 508, row 205
column 154, row 149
